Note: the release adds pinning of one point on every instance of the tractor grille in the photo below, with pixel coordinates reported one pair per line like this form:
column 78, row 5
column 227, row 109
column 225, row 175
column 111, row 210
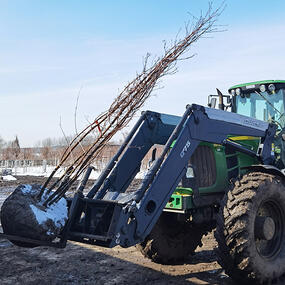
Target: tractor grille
column 205, row 165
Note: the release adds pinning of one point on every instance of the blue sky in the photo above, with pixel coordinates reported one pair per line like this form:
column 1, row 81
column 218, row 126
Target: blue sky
column 52, row 49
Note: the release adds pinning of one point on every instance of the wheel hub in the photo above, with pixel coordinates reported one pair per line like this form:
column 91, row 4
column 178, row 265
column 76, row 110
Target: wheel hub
column 264, row 228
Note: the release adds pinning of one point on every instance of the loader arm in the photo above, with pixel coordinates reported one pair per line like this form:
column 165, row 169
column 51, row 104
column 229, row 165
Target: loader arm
column 108, row 216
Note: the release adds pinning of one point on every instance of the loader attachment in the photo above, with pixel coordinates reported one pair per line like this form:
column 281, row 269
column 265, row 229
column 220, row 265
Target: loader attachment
column 101, row 217
column 93, row 221
column 109, row 215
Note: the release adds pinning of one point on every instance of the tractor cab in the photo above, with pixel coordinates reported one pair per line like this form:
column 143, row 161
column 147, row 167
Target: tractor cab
column 263, row 100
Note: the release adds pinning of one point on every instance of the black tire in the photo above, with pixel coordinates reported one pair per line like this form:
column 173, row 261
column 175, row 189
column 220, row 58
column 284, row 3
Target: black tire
column 170, row 241
column 244, row 251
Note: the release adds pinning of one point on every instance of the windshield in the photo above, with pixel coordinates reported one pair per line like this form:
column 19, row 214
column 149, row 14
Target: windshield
column 263, row 106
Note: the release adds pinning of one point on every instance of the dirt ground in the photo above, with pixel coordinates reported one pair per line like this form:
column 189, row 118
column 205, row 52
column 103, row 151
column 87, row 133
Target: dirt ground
column 86, row 264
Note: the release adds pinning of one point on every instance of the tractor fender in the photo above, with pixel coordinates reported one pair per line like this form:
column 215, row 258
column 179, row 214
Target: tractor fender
column 266, row 168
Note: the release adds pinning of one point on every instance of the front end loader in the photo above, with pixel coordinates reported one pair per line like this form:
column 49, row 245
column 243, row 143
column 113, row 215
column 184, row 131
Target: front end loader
column 217, row 168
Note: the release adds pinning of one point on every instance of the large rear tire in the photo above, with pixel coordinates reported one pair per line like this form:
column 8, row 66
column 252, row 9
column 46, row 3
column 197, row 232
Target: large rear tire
column 170, row 241
column 251, row 230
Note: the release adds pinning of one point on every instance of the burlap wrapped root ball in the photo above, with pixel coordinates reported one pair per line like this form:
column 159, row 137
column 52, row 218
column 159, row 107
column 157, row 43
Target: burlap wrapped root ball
column 22, row 214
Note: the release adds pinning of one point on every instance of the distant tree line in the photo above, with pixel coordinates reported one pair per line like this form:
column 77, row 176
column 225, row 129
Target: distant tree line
column 51, row 150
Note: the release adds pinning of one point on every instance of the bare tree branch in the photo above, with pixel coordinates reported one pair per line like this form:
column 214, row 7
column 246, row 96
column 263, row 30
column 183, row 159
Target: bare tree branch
column 130, row 100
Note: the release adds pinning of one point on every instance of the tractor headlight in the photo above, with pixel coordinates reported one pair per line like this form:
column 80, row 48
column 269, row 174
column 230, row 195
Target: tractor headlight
column 238, row 91
column 271, row 88
column 189, row 172
column 262, row 88
column 233, row 92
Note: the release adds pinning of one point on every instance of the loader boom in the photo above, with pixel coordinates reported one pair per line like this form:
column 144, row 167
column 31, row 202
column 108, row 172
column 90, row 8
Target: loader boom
column 108, row 216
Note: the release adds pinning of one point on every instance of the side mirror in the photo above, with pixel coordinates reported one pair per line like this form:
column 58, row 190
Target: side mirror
column 213, row 102
column 222, row 104
column 229, row 100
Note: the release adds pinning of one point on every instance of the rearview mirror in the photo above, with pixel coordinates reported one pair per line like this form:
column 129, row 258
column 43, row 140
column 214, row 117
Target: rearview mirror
column 213, row 102
column 229, row 100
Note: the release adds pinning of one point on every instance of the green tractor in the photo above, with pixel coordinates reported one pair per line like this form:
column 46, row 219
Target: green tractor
column 249, row 213
column 217, row 169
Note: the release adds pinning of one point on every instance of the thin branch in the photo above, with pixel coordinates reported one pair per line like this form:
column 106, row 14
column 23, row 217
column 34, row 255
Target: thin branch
column 130, row 100
column 75, row 110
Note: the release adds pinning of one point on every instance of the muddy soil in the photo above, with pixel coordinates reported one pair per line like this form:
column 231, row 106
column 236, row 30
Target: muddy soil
column 86, row 264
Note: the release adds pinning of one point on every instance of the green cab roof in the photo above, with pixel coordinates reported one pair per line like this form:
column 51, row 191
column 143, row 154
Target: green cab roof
column 256, row 84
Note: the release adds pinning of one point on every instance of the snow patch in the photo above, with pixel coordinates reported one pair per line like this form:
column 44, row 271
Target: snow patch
column 57, row 213
column 9, row 178
column 26, row 189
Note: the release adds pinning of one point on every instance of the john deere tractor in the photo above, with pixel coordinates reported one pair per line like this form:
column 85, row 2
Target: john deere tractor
column 218, row 169
column 243, row 199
